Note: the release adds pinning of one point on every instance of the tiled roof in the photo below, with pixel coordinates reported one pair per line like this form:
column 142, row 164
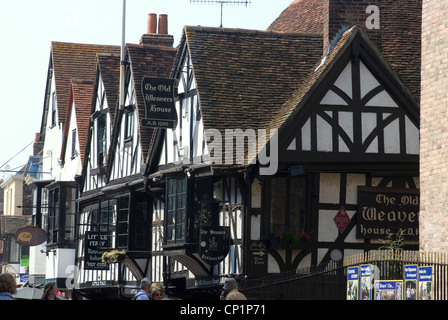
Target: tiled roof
column 300, row 16
column 81, row 96
column 246, row 72
column 74, row 61
column 109, row 66
column 244, row 76
column 308, row 83
column 152, row 61
column 401, row 40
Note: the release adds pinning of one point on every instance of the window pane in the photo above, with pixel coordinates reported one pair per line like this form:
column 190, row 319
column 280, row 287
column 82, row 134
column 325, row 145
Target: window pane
column 278, row 204
column 176, row 213
column 297, row 205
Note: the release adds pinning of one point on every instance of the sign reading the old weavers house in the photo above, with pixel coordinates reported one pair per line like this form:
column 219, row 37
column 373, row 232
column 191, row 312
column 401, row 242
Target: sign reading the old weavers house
column 158, row 94
column 385, row 211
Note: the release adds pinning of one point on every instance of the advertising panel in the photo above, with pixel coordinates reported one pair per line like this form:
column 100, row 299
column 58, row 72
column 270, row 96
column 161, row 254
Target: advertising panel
column 366, row 282
column 410, row 282
column 389, row 290
column 352, row 283
column 425, row 283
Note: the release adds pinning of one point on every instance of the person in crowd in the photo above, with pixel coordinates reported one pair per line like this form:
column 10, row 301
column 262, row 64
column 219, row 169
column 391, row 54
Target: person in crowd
column 143, row 294
column 230, row 291
column 156, row 291
column 50, row 291
column 8, row 286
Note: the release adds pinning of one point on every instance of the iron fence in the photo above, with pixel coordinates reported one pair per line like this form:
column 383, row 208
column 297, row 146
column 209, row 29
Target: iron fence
column 330, row 282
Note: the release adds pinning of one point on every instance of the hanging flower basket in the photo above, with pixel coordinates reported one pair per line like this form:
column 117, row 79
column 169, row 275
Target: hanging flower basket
column 114, row 256
column 289, row 240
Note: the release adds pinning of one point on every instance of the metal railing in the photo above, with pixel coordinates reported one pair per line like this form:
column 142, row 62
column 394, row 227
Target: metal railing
column 330, row 282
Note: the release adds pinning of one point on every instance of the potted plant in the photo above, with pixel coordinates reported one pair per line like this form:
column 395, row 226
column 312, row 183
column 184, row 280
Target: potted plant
column 113, row 256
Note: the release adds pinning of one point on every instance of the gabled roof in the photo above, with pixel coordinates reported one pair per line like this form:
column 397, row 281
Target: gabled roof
column 399, row 33
column 319, row 72
column 73, row 61
column 151, row 61
column 261, row 80
column 109, row 67
column 244, row 76
column 81, row 97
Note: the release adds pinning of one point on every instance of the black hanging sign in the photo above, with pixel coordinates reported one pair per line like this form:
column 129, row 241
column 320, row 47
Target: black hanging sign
column 214, row 243
column 158, row 94
column 387, row 211
column 96, row 243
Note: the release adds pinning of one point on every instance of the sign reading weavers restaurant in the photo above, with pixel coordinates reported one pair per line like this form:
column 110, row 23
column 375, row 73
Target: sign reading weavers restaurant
column 158, row 94
column 214, row 243
column 385, row 211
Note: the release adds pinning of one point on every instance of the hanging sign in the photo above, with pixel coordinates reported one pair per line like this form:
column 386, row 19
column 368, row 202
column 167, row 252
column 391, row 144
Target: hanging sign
column 158, row 94
column 385, row 211
column 425, row 283
column 96, row 243
column 31, row 236
column 214, row 243
column 352, row 283
column 410, row 282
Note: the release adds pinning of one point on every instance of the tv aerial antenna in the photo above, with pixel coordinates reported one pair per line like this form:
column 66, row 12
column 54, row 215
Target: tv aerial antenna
column 222, row 3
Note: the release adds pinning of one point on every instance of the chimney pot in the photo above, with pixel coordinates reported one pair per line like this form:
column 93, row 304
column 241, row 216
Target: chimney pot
column 152, row 23
column 163, row 24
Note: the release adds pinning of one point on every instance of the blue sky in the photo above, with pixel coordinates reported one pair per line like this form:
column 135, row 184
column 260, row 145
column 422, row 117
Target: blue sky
column 28, row 27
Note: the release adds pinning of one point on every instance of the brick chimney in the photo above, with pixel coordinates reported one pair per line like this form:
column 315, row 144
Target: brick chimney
column 339, row 15
column 162, row 38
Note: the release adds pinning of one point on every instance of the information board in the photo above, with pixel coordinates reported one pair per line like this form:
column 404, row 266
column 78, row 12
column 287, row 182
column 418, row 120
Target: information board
column 352, row 283
column 389, row 290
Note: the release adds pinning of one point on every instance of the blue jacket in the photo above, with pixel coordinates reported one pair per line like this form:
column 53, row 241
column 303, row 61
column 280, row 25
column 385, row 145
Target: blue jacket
column 6, row 296
column 141, row 295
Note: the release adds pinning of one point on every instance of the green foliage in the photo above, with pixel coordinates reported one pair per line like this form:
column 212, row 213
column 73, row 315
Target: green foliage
column 393, row 242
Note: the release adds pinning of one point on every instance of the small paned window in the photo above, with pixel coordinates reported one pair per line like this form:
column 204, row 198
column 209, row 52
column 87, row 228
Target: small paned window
column 176, row 210
column 53, row 109
column 123, row 222
column 287, row 208
column 74, row 153
column 129, row 125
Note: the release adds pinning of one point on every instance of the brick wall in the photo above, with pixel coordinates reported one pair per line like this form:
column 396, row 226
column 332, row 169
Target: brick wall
column 434, row 127
column 340, row 13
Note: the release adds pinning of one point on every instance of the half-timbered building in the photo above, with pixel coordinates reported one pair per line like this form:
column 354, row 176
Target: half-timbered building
column 282, row 158
column 115, row 210
column 63, row 134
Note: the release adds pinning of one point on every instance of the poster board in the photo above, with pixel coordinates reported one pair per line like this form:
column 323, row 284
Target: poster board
column 366, row 282
column 352, row 283
column 410, row 282
column 388, row 289
column 425, row 283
